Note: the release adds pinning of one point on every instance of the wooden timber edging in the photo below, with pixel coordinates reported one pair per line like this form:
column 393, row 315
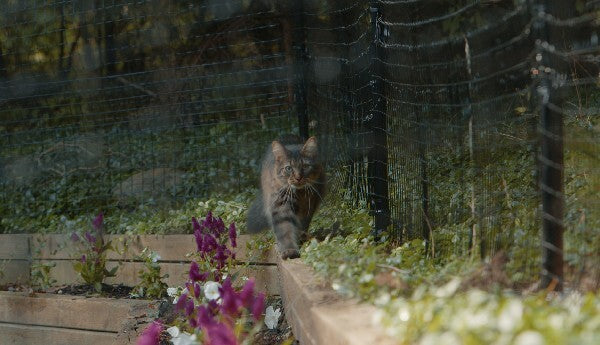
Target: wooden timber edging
column 52, row 319
column 18, row 251
column 320, row 316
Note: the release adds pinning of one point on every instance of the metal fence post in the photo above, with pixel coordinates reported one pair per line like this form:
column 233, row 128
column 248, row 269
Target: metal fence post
column 551, row 157
column 378, row 154
column 300, row 68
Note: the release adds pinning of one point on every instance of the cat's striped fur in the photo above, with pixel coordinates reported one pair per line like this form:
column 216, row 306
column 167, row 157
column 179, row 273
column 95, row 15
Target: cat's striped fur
column 292, row 185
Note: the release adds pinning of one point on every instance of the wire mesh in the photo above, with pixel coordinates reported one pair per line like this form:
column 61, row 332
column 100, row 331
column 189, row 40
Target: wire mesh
column 461, row 84
column 429, row 112
column 113, row 103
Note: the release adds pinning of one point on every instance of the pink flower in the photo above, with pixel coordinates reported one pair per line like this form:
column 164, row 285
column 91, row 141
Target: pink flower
column 74, row 237
column 151, row 335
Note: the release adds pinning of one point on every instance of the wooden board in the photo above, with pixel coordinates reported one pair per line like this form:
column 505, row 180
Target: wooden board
column 14, row 271
column 169, row 247
column 318, row 315
column 100, row 314
column 14, row 334
column 266, row 277
column 14, row 246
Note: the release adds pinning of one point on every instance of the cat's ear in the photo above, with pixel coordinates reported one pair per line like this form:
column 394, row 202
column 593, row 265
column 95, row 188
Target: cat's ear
column 279, row 151
column 310, row 148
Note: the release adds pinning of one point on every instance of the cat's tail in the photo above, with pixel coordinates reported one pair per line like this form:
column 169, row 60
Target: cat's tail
column 257, row 220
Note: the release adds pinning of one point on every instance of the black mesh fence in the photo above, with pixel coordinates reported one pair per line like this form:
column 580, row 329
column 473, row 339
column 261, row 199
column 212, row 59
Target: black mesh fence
column 471, row 124
column 120, row 102
column 450, row 119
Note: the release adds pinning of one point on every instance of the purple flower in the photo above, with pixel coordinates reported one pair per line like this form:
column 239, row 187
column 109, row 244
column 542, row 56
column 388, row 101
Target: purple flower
column 196, row 225
column 247, row 293
column 83, row 258
column 90, row 238
column 151, row 335
column 232, row 235
column 258, row 307
column 97, row 222
column 189, row 307
column 208, row 244
column 204, row 316
column 197, row 234
column 75, row 237
column 220, row 334
column 195, row 274
column 221, row 256
column 181, row 302
column 195, row 287
column 231, row 302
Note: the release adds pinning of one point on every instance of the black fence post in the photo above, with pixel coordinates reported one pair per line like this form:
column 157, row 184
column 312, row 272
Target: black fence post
column 378, row 154
column 300, row 67
column 551, row 156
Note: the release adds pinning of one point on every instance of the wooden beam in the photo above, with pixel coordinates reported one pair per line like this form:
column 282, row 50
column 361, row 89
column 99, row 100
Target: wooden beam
column 318, row 315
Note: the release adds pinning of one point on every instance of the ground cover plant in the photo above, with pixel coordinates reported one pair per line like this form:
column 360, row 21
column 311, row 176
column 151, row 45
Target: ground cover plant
column 441, row 292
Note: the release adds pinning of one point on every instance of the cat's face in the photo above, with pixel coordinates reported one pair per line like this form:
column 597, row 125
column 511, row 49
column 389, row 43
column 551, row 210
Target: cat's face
column 296, row 165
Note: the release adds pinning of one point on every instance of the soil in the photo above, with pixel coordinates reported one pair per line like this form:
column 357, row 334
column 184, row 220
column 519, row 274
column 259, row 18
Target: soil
column 281, row 334
column 109, row 291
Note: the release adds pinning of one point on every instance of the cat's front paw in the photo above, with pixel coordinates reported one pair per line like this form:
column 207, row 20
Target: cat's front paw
column 290, row 254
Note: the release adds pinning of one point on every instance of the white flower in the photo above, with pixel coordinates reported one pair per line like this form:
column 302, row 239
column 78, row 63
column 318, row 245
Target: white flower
column 172, row 291
column 449, row 289
column 211, row 290
column 173, row 331
column 272, row 317
column 529, row 338
column 154, row 256
column 510, row 316
column 181, row 338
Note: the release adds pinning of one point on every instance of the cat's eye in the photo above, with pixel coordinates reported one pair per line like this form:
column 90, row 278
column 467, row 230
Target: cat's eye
column 288, row 168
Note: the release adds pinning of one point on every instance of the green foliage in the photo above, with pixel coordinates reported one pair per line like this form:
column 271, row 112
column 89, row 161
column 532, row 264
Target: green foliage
column 41, row 271
column 41, row 274
column 151, row 283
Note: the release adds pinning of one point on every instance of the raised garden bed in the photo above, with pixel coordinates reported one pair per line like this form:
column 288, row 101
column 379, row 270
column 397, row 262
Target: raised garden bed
column 52, row 318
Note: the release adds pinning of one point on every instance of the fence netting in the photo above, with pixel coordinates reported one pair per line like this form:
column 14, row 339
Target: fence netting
column 456, row 91
column 447, row 119
column 106, row 103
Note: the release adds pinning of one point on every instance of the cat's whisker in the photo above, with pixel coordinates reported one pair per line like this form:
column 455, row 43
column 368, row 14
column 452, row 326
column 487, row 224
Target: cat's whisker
column 313, row 189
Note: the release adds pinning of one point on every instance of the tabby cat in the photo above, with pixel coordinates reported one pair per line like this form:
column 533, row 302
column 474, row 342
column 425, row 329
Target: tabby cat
column 292, row 184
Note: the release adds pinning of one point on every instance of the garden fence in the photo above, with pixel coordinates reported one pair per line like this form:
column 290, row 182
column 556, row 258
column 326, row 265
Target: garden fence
column 470, row 124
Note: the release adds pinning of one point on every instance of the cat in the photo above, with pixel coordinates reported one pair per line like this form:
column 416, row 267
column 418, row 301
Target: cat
column 292, row 185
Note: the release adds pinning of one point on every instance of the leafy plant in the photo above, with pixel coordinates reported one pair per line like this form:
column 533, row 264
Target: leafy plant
column 151, row 282
column 41, row 271
column 41, row 274
column 91, row 255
